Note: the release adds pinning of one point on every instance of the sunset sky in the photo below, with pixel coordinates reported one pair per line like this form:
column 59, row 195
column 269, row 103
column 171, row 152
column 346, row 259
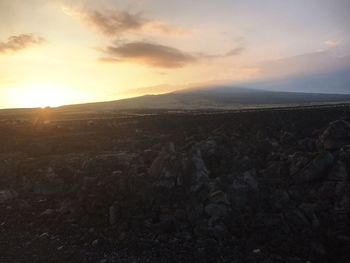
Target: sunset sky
column 61, row 52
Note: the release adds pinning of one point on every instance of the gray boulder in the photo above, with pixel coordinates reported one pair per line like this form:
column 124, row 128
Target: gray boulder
column 336, row 135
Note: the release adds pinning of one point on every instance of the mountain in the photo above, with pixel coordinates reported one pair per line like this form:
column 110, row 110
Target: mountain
column 312, row 78
column 214, row 97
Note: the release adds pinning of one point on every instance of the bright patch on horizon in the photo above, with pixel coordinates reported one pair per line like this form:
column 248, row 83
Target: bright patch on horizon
column 39, row 95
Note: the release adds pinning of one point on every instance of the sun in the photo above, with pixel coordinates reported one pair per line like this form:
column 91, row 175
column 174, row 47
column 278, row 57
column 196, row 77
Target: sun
column 40, row 95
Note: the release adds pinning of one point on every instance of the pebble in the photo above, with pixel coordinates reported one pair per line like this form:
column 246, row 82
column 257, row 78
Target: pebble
column 44, row 235
column 60, row 248
column 47, row 212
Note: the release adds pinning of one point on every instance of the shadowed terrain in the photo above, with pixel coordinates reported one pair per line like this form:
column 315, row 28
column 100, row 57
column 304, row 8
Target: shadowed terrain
column 201, row 186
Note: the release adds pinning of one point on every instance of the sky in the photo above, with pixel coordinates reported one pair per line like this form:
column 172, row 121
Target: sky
column 56, row 52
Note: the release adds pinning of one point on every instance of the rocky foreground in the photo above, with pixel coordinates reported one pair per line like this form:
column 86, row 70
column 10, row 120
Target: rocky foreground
column 260, row 186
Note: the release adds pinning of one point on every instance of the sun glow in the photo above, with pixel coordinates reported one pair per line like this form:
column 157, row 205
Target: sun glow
column 40, row 95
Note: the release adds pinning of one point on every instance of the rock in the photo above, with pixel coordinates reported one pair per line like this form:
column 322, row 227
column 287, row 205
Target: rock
column 95, row 243
column 72, row 210
column 219, row 210
column 89, row 181
column 113, row 214
column 51, row 184
column 296, row 220
column 201, row 171
column 219, row 197
column 167, row 179
column 239, row 194
column 344, row 154
column 27, row 244
column 214, row 185
column 307, row 144
column 219, row 231
column 308, row 210
column 338, row 172
column 201, row 229
column 318, row 248
column 44, row 235
column 269, row 220
column 167, row 223
column 47, row 212
column 297, row 161
column 342, row 205
column 209, row 146
column 244, row 191
column 181, row 215
column 343, row 238
column 216, row 152
column 342, row 188
column 90, row 123
column 7, row 195
column 250, row 180
column 279, row 199
column 327, row 190
column 23, row 204
column 288, row 138
column 159, row 162
column 336, row 135
column 194, row 213
column 316, row 169
column 167, row 168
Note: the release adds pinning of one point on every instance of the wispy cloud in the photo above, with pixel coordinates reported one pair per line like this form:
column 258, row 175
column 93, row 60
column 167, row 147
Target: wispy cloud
column 151, row 54
column 19, row 42
column 166, row 28
column 116, row 23
column 310, row 63
column 234, row 52
column 157, row 55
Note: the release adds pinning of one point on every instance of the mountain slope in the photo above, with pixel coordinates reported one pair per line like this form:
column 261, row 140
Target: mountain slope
column 219, row 97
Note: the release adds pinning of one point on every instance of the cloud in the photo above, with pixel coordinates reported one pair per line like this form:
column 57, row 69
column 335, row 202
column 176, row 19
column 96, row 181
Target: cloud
column 310, row 63
column 151, row 54
column 234, row 52
column 116, row 23
column 157, row 55
column 19, row 42
column 165, row 28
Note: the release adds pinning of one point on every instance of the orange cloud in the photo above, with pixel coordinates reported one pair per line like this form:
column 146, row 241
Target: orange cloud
column 19, row 42
column 156, row 55
column 150, row 54
column 116, row 23
column 235, row 52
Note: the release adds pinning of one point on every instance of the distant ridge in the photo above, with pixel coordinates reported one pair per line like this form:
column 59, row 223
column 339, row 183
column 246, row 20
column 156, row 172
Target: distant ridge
column 214, row 97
